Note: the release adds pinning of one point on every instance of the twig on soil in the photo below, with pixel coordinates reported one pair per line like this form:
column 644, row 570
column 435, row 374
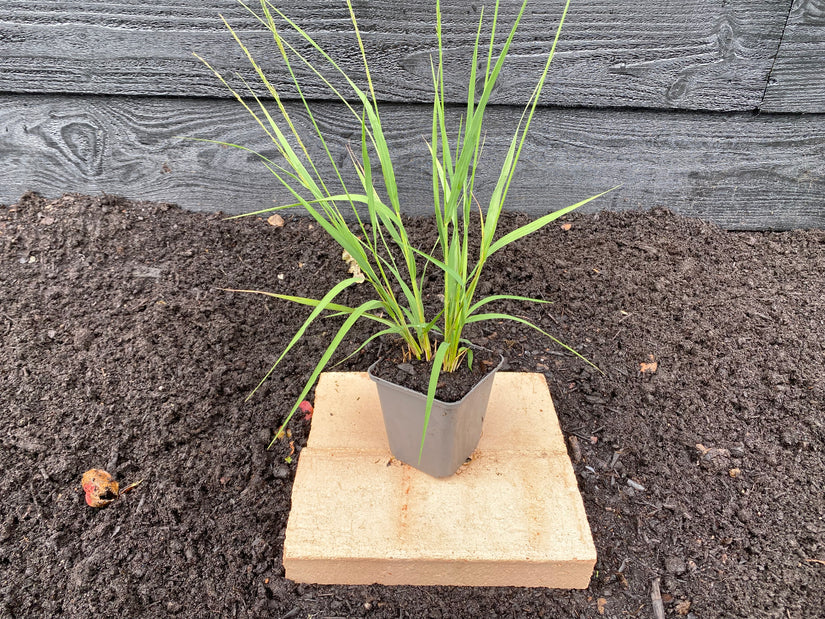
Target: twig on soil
column 10, row 323
column 35, row 501
column 129, row 488
column 820, row 561
column 575, row 449
column 556, row 322
column 656, row 598
column 586, row 437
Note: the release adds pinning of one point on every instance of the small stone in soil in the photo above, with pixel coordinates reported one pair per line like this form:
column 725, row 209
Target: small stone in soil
column 675, row 565
column 635, row 485
column 737, row 450
column 406, row 367
column 280, row 472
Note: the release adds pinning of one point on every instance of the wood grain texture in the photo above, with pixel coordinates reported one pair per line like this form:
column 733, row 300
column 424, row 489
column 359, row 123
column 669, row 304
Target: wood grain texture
column 739, row 170
column 797, row 81
column 692, row 54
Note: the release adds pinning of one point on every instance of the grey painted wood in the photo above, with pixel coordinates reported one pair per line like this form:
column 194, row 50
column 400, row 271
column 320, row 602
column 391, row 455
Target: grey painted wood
column 739, row 170
column 692, row 54
column 797, row 81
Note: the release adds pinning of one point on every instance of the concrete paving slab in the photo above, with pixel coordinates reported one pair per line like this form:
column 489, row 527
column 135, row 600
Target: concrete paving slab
column 513, row 516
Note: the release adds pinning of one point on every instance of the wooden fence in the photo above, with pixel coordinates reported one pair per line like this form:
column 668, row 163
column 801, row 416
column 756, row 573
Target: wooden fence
column 710, row 108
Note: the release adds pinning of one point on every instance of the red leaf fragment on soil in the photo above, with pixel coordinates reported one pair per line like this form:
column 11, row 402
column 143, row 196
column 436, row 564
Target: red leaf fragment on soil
column 306, row 408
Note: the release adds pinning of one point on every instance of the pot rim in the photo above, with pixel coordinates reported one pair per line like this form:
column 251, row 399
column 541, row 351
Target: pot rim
column 402, row 388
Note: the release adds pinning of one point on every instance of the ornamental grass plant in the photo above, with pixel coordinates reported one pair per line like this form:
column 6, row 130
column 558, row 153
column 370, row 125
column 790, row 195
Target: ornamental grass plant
column 366, row 221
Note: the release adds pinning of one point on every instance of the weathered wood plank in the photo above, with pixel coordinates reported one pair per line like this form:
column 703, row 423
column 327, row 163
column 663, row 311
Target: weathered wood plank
column 797, row 81
column 693, row 54
column 739, row 170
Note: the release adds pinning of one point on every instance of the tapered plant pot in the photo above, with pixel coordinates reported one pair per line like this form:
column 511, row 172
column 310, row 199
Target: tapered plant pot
column 452, row 433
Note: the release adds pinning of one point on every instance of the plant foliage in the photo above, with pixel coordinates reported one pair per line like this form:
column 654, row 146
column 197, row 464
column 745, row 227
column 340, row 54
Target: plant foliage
column 378, row 242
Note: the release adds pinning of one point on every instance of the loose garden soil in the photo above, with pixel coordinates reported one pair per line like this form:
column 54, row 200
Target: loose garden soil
column 699, row 452
column 395, row 365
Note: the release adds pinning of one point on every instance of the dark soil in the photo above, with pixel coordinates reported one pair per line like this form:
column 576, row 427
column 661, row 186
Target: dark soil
column 119, row 351
column 395, row 366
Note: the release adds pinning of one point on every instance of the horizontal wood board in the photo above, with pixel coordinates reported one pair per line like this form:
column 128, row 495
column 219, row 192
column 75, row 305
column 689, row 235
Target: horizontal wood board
column 693, row 54
column 797, row 81
column 740, row 170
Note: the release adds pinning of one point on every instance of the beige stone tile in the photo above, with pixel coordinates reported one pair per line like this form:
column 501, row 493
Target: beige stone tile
column 511, row 517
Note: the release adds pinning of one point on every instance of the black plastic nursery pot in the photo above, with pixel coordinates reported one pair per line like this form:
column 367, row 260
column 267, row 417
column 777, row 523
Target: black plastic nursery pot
column 453, row 432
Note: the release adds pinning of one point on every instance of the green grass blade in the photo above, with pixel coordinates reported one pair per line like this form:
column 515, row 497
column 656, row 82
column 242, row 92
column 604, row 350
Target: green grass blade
column 509, row 167
column 335, row 307
column 497, row 316
column 335, row 198
column 363, row 52
column 472, row 132
column 539, row 223
column 333, row 346
column 320, row 306
column 435, row 372
column 374, row 336
column 502, row 297
column 454, row 275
